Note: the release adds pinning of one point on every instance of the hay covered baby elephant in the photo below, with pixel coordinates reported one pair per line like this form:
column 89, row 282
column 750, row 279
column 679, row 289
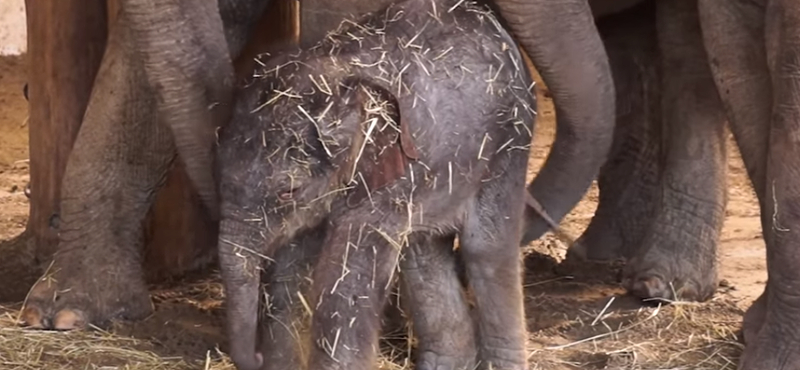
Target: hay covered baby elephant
column 397, row 132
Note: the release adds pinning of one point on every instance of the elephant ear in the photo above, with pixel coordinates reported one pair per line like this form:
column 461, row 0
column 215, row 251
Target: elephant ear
column 381, row 144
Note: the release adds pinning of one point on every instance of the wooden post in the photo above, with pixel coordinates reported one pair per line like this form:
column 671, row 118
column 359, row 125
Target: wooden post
column 66, row 41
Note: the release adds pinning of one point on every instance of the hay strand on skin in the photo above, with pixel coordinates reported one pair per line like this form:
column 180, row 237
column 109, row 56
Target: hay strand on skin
column 319, row 132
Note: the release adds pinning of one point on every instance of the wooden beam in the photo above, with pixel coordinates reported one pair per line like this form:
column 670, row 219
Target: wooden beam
column 66, row 41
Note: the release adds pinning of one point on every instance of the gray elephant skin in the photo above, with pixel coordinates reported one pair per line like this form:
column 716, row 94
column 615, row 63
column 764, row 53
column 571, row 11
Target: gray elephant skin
column 712, row 60
column 163, row 89
column 411, row 126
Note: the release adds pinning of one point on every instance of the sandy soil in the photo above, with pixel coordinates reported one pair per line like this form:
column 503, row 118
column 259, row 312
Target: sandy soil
column 13, row 147
column 572, row 322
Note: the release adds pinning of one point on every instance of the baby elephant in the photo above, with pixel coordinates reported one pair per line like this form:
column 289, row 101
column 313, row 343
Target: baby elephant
column 396, row 134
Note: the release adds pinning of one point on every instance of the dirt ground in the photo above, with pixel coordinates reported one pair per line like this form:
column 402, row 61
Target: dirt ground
column 573, row 323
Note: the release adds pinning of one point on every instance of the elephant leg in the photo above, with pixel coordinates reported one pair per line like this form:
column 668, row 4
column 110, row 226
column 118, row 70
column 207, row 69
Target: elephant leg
column 284, row 316
column 439, row 311
column 490, row 253
column 734, row 34
column 119, row 156
column 120, row 159
column 677, row 258
column 775, row 345
column 772, row 329
column 628, row 181
column 350, row 283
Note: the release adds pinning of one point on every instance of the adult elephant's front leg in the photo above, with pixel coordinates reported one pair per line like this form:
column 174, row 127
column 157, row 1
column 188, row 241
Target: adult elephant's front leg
column 662, row 193
column 734, row 34
column 120, row 159
column 120, row 156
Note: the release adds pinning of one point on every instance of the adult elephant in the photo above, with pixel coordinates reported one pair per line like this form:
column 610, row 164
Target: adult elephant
column 753, row 49
column 170, row 61
column 663, row 189
column 735, row 56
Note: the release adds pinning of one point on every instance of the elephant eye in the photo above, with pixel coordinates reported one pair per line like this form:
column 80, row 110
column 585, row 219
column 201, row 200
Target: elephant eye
column 288, row 194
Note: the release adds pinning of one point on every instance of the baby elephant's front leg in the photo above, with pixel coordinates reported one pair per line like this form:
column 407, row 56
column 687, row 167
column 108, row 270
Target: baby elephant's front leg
column 284, row 313
column 350, row 283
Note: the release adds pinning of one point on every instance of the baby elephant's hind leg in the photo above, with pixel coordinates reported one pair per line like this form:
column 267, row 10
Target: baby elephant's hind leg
column 490, row 248
column 439, row 312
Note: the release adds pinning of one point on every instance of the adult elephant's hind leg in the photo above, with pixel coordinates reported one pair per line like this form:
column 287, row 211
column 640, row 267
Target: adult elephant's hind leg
column 677, row 258
column 439, row 311
column 775, row 346
column 734, row 34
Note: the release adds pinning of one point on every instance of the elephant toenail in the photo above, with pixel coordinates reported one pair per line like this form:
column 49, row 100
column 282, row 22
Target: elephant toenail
column 68, row 320
column 31, row 317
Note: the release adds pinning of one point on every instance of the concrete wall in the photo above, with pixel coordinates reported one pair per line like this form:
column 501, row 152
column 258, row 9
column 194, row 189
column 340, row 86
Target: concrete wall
column 13, row 35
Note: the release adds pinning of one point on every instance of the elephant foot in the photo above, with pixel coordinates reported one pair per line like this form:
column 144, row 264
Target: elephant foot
column 599, row 243
column 754, row 319
column 18, row 264
column 773, row 354
column 617, row 229
column 628, row 194
column 671, row 269
column 429, row 360
column 774, row 344
column 74, row 298
column 677, row 259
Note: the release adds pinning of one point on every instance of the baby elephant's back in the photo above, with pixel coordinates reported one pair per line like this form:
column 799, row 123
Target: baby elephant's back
column 463, row 76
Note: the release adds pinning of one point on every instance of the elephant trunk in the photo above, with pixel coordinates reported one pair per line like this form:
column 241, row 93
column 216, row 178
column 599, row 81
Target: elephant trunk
column 241, row 274
column 185, row 57
column 565, row 46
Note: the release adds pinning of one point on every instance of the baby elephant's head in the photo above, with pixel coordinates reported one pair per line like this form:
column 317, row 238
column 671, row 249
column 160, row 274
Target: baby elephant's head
column 297, row 145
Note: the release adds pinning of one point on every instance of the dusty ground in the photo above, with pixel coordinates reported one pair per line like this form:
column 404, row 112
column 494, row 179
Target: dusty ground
column 569, row 323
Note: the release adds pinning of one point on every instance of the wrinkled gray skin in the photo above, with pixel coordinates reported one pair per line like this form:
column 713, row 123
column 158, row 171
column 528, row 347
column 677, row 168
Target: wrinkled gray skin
column 282, row 316
column 751, row 50
column 666, row 171
column 123, row 153
column 758, row 84
column 470, row 113
column 662, row 192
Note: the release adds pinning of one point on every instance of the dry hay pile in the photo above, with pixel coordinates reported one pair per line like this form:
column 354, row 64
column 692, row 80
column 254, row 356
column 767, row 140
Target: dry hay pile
column 574, row 323
column 578, row 323
column 682, row 336
column 22, row 348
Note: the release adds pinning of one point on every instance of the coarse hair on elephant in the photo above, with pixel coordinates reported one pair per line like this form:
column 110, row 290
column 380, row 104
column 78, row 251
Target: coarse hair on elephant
column 163, row 89
column 395, row 141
